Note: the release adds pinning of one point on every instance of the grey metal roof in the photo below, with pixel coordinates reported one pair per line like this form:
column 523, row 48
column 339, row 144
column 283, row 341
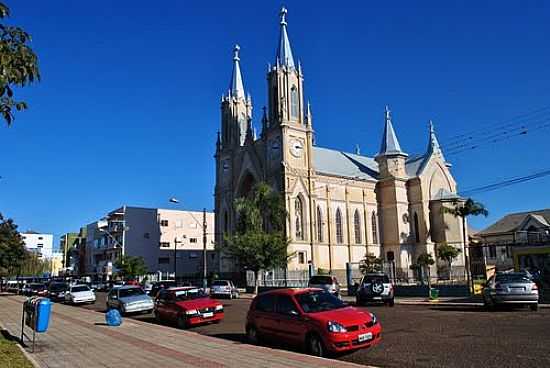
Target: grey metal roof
column 338, row 163
column 236, row 87
column 390, row 144
column 284, row 52
column 413, row 164
column 513, row 221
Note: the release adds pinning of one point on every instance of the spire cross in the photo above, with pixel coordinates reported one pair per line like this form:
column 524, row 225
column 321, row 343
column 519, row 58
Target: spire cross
column 283, row 15
column 387, row 113
column 236, row 52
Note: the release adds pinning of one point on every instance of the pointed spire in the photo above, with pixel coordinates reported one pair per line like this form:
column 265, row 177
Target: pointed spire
column 218, row 141
column 284, row 52
column 390, row 144
column 236, row 88
column 433, row 143
column 264, row 121
column 309, row 117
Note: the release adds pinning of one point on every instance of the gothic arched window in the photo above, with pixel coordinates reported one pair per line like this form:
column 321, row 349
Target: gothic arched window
column 299, row 218
column 374, row 221
column 357, row 226
column 225, row 222
column 319, row 224
column 339, row 232
column 293, row 102
column 416, row 229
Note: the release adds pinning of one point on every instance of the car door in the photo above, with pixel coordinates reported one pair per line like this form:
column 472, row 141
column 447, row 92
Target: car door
column 113, row 299
column 170, row 308
column 160, row 304
column 264, row 315
column 288, row 320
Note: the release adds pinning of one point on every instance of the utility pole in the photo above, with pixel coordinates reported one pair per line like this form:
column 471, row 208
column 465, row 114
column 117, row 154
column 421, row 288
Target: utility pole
column 204, row 261
column 175, row 257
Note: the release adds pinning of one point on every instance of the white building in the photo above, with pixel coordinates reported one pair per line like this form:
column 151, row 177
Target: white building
column 154, row 234
column 41, row 244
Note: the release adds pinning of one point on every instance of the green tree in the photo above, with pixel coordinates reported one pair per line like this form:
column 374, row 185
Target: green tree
column 129, row 266
column 464, row 209
column 424, row 261
column 12, row 249
column 259, row 242
column 370, row 263
column 448, row 253
column 18, row 65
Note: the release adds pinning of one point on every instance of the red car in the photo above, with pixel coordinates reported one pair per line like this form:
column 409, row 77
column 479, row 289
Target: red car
column 187, row 306
column 312, row 318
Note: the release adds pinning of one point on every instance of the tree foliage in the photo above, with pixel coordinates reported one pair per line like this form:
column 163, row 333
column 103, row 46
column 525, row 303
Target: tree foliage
column 259, row 242
column 130, row 266
column 425, row 259
column 447, row 253
column 467, row 208
column 370, row 263
column 18, row 66
column 12, row 249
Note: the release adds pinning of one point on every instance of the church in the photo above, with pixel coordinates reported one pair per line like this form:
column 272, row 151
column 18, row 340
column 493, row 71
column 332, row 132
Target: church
column 341, row 206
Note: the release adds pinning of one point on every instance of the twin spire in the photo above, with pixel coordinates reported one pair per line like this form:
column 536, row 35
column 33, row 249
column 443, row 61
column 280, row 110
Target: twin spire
column 390, row 145
column 236, row 87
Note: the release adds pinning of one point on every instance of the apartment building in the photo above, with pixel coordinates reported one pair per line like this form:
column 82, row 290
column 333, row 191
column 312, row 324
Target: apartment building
column 39, row 243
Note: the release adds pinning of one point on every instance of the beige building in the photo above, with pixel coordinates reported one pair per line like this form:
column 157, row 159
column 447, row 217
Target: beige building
column 341, row 205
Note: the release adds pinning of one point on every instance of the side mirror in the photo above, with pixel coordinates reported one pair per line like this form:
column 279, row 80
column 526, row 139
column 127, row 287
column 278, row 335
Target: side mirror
column 293, row 313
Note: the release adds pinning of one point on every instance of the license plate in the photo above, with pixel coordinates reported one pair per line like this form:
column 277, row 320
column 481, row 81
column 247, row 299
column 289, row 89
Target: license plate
column 365, row 337
column 377, row 298
column 208, row 315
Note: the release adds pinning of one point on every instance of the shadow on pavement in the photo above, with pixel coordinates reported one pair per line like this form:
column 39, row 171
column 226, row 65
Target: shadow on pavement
column 237, row 337
column 478, row 309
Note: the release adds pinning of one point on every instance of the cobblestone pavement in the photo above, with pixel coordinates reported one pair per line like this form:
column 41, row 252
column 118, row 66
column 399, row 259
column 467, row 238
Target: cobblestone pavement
column 78, row 337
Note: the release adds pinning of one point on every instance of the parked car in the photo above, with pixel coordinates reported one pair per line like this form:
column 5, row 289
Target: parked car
column 313, row 318
column 224, row 288
column 158, row 286
column 57, row 290
column 33, row 289
column 516, row 288
column 132, row 282
column 328, row 283
column 129, row 299
column 79, row 293
column 375, row 287
column 187, row 306
column 12, row 286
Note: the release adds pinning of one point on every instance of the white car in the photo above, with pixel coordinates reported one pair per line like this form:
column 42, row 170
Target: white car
column 224, row 288
column 80, row 294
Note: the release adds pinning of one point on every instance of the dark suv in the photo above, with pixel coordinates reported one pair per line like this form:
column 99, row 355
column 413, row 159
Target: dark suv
column 375, row 287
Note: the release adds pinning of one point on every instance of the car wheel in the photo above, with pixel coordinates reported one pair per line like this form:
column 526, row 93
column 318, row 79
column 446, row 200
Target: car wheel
column 252, row 335
column 182, row 322
column 391, row 303
column 230, row 296
column 488, row 303
column 157, row 316
column 315, row 346
column 359, row 302
column 534, row 307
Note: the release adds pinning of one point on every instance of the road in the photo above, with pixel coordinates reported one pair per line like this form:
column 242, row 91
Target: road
column 426, row 336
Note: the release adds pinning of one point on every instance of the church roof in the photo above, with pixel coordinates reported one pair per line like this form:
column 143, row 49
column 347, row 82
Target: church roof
column 513, row 221
column 338, row 163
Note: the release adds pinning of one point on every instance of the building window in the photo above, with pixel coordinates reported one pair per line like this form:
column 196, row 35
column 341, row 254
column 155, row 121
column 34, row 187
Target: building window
column 374, row 221
column 293, row 102
column 163, row 222
column 357, row 226
column 301, row 257
column 492, row 251
column 164, row 244
column 192, row 240
column 299, row 218
column 416, row 229
column 146, row 235
column 40, row 238
column 193, row 255
column 339, row 232
column 319, row 224
column 164, row 260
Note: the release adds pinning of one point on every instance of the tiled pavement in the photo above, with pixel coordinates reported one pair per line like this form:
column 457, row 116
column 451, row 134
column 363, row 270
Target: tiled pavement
column 78, row 337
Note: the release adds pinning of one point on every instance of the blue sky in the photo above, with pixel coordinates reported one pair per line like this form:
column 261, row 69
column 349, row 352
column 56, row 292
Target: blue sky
column 128, row 107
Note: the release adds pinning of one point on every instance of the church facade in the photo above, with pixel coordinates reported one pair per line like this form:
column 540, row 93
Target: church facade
column 341, row 206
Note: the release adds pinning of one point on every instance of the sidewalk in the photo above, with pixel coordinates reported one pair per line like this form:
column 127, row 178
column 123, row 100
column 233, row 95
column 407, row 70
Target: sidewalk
column 78, row 337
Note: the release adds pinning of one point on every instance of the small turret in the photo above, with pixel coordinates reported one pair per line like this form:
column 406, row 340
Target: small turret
column 391, row 159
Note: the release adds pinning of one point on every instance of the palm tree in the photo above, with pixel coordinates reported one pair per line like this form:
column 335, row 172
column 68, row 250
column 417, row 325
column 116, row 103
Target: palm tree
column 464, row 209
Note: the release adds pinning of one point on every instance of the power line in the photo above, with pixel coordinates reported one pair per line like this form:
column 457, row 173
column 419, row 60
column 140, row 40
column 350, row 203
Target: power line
column 505, row 183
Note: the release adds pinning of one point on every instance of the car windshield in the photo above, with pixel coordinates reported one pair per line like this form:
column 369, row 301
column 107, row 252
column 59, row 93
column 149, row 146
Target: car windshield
column 189, row 294
column 513, row 277
column 58, row 287
column 319, row 301
column 371, row 279
column 220, row 283
column 78, row 289
column 320, row 280
column 124, row 293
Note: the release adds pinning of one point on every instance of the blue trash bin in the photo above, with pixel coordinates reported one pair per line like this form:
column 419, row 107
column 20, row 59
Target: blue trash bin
column 43, row 315
column 113, row 318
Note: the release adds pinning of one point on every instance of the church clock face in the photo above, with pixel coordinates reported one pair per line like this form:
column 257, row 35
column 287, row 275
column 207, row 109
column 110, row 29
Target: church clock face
column 296, row 148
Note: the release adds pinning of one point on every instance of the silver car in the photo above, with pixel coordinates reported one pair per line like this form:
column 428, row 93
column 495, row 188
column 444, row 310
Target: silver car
column 129, row 299
column 328, row 283
column 224, row 288
column 511, row 288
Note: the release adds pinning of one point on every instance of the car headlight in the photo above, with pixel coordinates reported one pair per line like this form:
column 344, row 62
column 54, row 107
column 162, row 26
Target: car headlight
column 335, row 327
column 219, row 307
column 373, row 318
column 191, row 312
